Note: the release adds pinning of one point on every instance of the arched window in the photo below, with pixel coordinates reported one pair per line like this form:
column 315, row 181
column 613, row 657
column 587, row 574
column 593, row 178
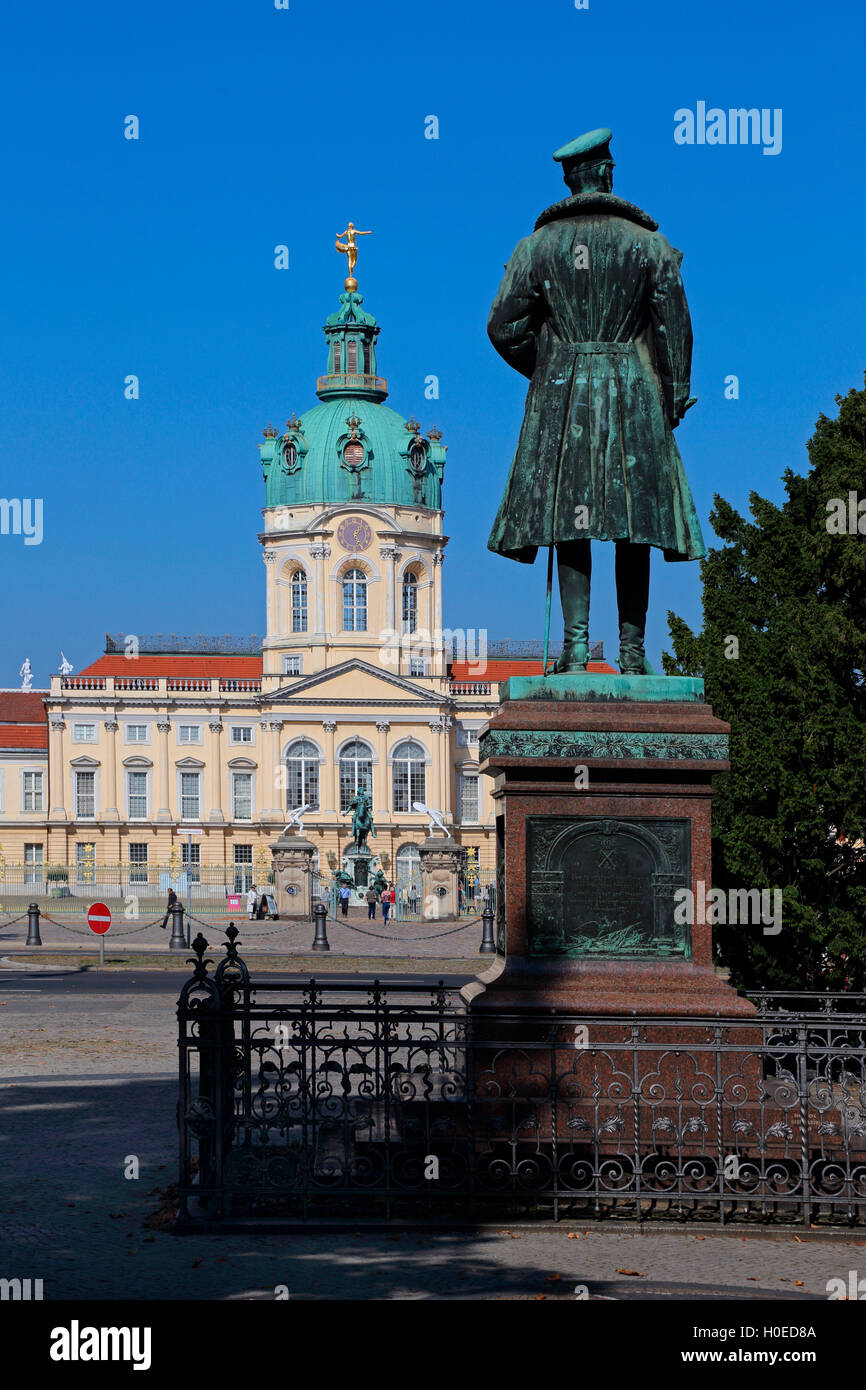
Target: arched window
column 354, row 601
column 407, row 861
column 410, row 602
column 409, row 775
column 337, row 356
column 299, row 601
column 356, row 770
column 351, row 356
column 302, row 775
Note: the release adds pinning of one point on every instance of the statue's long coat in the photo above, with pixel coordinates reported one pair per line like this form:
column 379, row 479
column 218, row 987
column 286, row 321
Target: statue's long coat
column 608, row 350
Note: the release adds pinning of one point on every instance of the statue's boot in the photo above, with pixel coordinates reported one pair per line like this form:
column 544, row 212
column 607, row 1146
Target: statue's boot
column 632, row 598
column 574, row 565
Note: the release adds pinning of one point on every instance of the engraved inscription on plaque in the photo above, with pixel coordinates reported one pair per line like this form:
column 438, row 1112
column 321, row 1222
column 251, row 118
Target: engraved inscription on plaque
column 604, row 887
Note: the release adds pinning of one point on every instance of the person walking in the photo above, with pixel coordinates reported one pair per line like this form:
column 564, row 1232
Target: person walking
column 172, row 899
column 389, row 897
column 345, row 895
column 252, row 902
column 372, row 899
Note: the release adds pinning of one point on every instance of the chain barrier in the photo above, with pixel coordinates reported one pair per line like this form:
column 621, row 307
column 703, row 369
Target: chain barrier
column 381, row 937
column 64, row 926
column 12, row 922
column 340, row 921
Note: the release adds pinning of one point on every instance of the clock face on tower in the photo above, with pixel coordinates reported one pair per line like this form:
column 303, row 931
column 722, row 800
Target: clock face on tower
column 354, row 533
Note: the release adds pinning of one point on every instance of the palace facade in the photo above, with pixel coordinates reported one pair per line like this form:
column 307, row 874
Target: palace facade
column 356, row 681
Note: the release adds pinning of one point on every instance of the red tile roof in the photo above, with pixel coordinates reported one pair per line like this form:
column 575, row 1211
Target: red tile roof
column 22, row 706
column 170, row 664
column 23, row 736
column 501, row 670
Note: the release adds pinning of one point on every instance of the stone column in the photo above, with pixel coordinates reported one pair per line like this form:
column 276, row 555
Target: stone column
column 319, row 554
column 393, row 621
column 276, row 797
column 164, row 810
column 328, row 779
column 436, row 789
column 265, row 779
column 391, row 554
column 447, row 771
column 270, row 559
column 215, row 771
column 111, row 811
column 381, row 788
column 56, row 769
column 437, row 665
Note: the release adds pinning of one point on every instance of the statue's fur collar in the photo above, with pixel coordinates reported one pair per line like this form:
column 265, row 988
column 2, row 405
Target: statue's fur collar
column 596, row 202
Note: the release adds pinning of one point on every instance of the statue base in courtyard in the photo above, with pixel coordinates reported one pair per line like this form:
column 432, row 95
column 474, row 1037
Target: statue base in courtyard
column 603, row 785
column 293, row 860
column 440, row 866
column 358, row 865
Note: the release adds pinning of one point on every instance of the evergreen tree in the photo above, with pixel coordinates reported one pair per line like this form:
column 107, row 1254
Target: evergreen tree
column 790, row 588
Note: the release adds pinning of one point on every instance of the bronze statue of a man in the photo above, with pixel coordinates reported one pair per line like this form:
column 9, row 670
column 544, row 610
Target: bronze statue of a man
column 592, row 309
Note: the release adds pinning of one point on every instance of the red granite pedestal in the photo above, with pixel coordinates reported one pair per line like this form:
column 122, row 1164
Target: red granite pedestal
column 635, row 763
column 575, row 1034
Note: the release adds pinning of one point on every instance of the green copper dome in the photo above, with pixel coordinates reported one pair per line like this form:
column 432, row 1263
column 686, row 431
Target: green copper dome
column 352, row 447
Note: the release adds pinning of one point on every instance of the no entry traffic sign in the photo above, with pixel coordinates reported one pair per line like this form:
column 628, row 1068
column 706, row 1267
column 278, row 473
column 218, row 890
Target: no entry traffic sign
column 98, row 918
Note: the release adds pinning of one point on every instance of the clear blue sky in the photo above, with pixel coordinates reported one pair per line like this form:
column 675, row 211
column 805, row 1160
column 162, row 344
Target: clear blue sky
column 261, row 126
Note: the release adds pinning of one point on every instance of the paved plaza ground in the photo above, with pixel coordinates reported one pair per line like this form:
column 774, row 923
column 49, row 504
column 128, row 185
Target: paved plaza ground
column 87, row 1080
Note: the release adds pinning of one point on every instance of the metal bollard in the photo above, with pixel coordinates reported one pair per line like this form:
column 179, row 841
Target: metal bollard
column 488, row 943
column 320, row 940
column 33, row 937
column 178, row 938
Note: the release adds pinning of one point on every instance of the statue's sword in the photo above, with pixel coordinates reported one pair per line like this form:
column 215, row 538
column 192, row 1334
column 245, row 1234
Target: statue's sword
column 547, row 607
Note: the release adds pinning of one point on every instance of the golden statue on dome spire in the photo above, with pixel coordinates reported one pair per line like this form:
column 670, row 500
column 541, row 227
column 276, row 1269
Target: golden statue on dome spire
column 350, row 250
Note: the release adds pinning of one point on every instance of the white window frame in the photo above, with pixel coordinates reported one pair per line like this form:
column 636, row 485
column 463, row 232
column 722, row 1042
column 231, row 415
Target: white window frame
column 292, row 755
column 127, row 728
column 463, row 777
column 139, row 867
column 293, row 661
column 398, row 760
column 31, row 772
column 34, row 869
column 89, row 772
column 138, row 772
column 189, row 742
column 245, row 729
column 244, row 870
column 78, row 737
column 189, row 772
column 236, row 773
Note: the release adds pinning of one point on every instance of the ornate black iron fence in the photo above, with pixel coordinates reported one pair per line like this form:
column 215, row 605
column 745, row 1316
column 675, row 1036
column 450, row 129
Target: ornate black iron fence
column 334, row 1103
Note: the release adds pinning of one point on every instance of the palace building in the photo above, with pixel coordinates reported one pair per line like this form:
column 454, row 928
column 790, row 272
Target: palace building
column 356, row 682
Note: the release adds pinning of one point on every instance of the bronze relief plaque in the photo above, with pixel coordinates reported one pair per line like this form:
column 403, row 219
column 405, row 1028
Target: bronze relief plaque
column 599, row 887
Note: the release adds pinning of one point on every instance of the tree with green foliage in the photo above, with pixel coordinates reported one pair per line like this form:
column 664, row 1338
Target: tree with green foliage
column 783, row 656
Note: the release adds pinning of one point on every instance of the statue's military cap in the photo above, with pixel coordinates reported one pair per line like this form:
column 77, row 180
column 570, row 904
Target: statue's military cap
column 586, row 149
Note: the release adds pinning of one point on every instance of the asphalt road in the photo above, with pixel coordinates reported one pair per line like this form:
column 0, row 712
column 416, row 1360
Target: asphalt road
column 123, row 983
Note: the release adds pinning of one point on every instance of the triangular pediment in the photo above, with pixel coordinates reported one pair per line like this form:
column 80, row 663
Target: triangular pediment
column 354, row 680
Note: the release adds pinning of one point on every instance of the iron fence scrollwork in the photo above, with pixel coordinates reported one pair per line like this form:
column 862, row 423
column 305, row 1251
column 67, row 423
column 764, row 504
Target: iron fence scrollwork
column 314, row 1102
